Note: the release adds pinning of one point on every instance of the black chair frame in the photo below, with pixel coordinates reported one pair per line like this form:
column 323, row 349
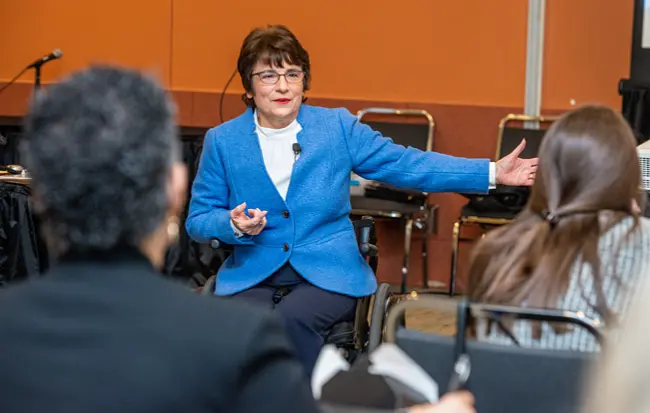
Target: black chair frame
column 502, row 378
column 487, row 221
column 422, row 216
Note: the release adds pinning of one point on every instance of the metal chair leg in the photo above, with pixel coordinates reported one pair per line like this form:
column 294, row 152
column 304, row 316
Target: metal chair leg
column 408, row 230
column 454, row 258
column 425, row 260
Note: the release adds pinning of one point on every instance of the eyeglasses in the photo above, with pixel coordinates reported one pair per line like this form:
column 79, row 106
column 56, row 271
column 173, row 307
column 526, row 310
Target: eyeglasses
column 270, row 77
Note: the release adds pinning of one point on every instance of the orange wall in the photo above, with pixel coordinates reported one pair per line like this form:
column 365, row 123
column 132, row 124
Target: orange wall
column 135, row 33
column 587, row 50
column 459, row 52
column 412, row 50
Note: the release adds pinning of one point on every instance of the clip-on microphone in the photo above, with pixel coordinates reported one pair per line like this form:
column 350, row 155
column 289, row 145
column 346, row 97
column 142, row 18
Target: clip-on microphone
column 296, row 151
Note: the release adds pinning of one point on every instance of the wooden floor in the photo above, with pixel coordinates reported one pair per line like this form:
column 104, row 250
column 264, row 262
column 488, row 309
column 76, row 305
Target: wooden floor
column 431, row 320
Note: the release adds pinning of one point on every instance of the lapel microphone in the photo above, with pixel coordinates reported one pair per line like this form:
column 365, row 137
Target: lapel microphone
column 296, row 150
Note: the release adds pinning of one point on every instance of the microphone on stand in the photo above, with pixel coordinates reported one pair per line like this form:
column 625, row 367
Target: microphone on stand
column 36, row 65
column 56, row 53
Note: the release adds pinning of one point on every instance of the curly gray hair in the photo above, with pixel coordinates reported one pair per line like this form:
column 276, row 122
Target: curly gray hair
column 99, row 146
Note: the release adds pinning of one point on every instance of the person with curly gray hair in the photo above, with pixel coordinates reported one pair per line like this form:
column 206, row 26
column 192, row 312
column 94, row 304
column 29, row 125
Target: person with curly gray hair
column 103, row 331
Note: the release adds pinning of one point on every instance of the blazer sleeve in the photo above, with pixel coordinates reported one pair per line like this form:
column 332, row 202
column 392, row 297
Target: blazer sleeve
column 272, row 380
column 209, row 211
column 376, row 157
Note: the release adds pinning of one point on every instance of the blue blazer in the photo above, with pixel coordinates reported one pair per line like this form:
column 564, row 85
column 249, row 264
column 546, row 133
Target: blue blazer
column 312, row 229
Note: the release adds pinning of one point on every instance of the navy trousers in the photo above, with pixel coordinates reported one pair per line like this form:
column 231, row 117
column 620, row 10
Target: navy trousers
column 308, row 311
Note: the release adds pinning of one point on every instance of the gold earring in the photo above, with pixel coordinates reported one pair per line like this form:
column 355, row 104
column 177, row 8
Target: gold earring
column 173, row 228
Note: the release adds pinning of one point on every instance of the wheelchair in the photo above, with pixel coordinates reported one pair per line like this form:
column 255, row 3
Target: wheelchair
column 365, row 332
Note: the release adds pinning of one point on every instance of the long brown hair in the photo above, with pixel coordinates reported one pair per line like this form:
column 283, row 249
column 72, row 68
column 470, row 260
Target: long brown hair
column 587, row 177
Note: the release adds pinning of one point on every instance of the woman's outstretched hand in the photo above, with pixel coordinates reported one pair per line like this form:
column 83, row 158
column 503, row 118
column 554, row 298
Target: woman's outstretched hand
column 514, row 171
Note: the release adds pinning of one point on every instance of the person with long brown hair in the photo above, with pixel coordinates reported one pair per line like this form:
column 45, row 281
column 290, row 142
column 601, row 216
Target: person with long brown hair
column 580, row 243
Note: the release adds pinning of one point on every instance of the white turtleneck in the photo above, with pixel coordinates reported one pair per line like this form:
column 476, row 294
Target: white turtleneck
column 277, row 150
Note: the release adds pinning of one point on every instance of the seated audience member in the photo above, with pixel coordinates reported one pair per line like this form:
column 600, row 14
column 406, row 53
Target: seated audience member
column 579, row 244
column 103, row 332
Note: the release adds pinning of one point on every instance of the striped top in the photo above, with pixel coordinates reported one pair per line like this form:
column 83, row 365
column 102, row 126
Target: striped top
column 625, row 264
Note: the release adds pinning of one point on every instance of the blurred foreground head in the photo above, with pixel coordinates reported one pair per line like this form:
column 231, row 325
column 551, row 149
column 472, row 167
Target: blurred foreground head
column 102, row 149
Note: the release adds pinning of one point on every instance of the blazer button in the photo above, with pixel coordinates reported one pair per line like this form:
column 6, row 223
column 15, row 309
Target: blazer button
column 285, row 214
column 286, row 247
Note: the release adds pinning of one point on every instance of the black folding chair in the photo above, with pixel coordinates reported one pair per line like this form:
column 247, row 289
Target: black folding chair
column 502, row 378
column 387, row 202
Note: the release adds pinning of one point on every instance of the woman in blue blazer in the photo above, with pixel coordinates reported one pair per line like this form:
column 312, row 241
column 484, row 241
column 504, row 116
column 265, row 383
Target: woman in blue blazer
column 275, row 183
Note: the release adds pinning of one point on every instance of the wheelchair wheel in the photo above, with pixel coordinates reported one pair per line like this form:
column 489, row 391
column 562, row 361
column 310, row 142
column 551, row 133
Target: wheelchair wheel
column 208, row 287
column 378, row 316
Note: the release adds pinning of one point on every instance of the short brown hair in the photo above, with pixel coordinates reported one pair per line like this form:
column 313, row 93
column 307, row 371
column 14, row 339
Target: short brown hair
column 275, row 46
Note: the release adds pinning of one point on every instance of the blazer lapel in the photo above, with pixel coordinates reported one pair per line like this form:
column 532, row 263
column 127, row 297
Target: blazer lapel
column 315, row 155
column 251, row 178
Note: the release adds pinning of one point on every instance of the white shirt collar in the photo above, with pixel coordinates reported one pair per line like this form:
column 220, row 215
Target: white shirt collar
column 293, row 127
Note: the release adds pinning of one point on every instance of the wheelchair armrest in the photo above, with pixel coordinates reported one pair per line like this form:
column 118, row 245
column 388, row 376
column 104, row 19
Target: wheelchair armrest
column 364, row 226
column 215, row 244
column 366, row 221
column 368, row 250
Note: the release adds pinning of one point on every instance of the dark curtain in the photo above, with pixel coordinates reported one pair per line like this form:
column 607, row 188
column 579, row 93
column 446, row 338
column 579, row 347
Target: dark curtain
column 22, row 253
column 636, row 108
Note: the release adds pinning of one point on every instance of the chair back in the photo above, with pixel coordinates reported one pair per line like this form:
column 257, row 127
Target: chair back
column 502, row 378
column 505, row 202
column 510, row 136
column 416, row 135
column 505, row 379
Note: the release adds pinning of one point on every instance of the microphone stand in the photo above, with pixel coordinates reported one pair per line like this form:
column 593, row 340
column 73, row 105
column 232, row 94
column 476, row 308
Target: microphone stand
column 37, row 79
column 37, row 73
column 56, row 54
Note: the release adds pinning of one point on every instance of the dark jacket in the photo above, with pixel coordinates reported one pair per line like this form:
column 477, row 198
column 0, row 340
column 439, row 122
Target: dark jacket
column 106, row 333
